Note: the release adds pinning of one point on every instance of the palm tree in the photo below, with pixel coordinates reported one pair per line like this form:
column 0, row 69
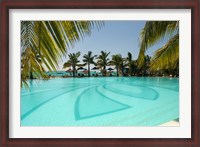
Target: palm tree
column 131, row 63
column 73, row 61
column 123, row 65
column 152, row 32
column 50, row 40
column 116, row 61
column 29, row 65
column 103, row 61
column 145, row 67
column 89, row 59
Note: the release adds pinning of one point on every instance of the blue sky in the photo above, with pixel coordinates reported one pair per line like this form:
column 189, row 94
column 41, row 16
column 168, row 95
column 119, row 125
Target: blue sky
column 116, row 37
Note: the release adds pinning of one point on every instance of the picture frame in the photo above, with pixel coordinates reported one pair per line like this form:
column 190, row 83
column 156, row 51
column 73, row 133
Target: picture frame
column 103, row 4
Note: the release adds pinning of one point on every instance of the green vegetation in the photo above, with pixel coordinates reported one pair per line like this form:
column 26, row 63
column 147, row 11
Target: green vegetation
column 124, row 66
column 103, row 61
column 44, row 43
column 89, row 59
column 130, row 63
column 73, row 61
column 117, row 61
column 167, row 57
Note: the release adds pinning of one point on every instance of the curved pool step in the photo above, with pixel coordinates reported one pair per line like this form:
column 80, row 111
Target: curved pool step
column 133, row 91
column 34, row 101
column 90, row 104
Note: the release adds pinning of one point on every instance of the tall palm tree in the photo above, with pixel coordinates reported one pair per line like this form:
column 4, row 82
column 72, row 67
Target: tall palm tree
column 123, row 65
column 145, row 67
column 89, row 59
column 103, row 61
column 50, row 40
column 116, row 61
column 152, row 32
column 73, row 61
column 131, row 63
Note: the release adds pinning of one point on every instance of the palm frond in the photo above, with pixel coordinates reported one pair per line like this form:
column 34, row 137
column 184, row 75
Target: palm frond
column 152, row 33
column 50, row 40
column 30, row 65
column 166, row 56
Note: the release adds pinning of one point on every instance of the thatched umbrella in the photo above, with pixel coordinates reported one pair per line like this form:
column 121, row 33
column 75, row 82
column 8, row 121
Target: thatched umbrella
column 110, row 69
column 80, row 68
column 94, row 68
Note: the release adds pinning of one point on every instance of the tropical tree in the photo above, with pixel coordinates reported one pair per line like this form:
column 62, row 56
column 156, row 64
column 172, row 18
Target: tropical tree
column 167, row 56
column 130, row 63
column 135, row 67
column 49, row 40
column 89, row 59
column 123, row 65
column 73, row 62
column 145, row 67
column 153, row 32
column 117, row 62
column 103, row 61
column 29, row 65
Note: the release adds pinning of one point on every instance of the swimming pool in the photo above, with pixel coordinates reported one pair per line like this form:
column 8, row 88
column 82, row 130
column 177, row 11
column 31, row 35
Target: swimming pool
column 109, row 101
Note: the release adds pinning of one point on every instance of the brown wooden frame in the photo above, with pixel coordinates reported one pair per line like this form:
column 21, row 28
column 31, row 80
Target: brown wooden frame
column 101, row 4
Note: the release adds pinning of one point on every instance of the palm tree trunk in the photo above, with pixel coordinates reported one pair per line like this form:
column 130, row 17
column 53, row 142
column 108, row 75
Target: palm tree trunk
column 88, row 70
column 130, row 70
column 104, row 70
column 117, row 71
column 74, row 70
column 123, row 70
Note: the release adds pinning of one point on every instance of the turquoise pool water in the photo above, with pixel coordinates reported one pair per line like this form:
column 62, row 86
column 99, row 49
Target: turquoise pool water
column 109, row 101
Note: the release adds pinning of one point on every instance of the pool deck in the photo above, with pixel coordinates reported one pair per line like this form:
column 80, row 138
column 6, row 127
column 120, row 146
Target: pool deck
column 173, row 123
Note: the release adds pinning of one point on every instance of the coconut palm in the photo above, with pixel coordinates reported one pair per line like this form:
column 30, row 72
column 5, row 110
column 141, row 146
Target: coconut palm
column 103, row 61
column 152, row 32
column 73, row 61
column 122, row 66
column 167, row 56
column 131, row 63
column 145, row 67
column 129, row 58
column 50, row 40
column 116, row 61
column 29, row 65
column 89, row 59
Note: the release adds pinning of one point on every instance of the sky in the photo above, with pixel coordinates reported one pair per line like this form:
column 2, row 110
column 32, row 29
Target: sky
column 116, row 37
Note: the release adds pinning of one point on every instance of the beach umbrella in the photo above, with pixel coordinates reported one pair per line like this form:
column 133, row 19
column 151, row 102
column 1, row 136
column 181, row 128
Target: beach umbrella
column 110, row 69
column 126, row 68
column 94, row 68
column 80, row 68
